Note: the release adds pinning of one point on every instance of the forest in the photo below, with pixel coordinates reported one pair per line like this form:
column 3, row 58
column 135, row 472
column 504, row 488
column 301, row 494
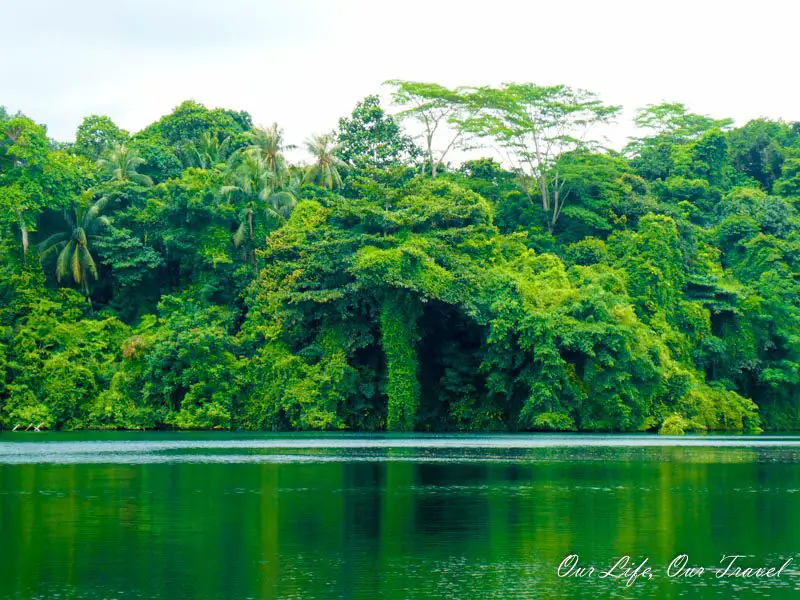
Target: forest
column 190, row 276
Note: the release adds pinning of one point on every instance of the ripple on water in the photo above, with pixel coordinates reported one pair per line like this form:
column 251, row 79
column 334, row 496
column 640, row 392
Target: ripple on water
column 133, row 448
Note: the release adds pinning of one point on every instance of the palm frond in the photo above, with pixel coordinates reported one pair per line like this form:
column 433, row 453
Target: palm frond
column 104, row 221
column 52, row 243
column 238, row 237
column 75, row 264
column 227, row 190
column 325, row 170
column 63, row 261
column 93, row 211
column 88, row 261
column 283, row 203
column 141, row 179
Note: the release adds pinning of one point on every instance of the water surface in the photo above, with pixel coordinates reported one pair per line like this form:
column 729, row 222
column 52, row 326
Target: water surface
column 212, row 516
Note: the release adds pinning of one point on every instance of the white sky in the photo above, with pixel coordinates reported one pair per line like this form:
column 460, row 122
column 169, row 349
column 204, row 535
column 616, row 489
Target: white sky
column 305, row 63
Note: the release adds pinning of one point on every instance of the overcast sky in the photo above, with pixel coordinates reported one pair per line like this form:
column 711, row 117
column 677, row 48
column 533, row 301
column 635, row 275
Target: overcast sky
column 305, row 63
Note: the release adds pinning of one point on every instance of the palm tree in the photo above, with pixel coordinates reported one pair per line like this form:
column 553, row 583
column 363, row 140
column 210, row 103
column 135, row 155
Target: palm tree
column 121, row 164
column 252, row 185
column 268, row 143
column 74, row 257
column 208, row 151
column 325, row 170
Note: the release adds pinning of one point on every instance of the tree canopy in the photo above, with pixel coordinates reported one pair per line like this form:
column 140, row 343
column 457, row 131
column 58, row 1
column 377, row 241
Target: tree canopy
column 191, row 276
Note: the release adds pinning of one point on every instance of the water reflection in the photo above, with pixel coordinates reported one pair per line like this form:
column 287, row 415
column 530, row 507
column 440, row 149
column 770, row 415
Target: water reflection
column 394, row 522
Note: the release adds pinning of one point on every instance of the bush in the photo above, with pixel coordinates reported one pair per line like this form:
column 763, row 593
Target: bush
column 674, row 425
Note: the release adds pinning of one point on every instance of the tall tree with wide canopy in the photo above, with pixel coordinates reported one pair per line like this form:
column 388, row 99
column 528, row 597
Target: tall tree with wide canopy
column 668, row 126
column 673, row 120
column 161, row 143
column 534, row 126
column 440, row 111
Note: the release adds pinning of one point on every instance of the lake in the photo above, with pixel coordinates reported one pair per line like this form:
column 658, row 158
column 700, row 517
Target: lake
column 219, row 515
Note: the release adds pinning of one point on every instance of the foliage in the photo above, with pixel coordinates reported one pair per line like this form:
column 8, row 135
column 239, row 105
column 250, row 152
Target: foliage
column 97, row 135
column 324, row 171
column 121, row 163
column 74, row 258
column 399, row 338
column 441, row 112
column 566, row 288
column 674, row 425
column 163, row 143
column 534, row 125
column 371, row 139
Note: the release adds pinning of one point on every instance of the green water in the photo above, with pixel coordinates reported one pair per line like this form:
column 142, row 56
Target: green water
column 207, row 516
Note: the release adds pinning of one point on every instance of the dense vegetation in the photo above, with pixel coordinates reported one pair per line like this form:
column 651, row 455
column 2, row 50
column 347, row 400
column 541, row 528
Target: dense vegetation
column 188, row 276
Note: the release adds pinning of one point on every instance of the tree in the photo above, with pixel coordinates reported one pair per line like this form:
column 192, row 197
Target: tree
column 254, row 188
column 757, row 149
column 669, row 125
column 324, row 170
column 601, row 189
column 182, row 367
column 121, row 164
column 208, row 151
column 24, row 154
column 187, row 122
column 534, row 125
column 96, row 135
column 666, row 293
column 440, row 111
column 673, row 120
column 789, row 183
column 161, row 143
column 370, row 138
column 654, row 264
column 189, row 223
column 74, row 257
column 60, row 360
column 269, row 145
column 704, row 158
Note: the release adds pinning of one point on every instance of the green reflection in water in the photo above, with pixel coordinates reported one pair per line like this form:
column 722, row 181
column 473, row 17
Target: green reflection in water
column 393, row 522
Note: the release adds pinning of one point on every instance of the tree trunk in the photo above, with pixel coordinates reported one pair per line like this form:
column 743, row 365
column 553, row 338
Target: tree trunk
column 545, row 194
column 556, row 211
column 86, row 292
column 23, row 228
column 429, row 139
